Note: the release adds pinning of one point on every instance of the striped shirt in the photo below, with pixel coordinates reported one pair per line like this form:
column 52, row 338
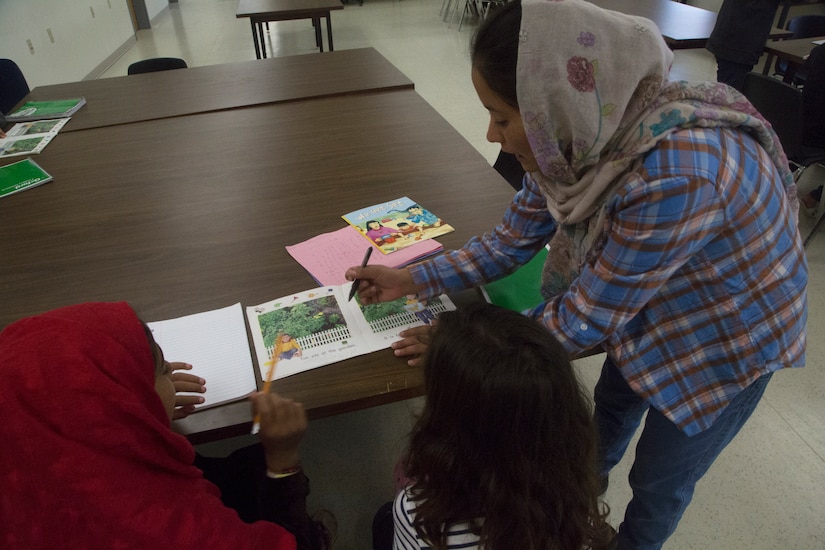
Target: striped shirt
column 406, row 538
column 699, row 290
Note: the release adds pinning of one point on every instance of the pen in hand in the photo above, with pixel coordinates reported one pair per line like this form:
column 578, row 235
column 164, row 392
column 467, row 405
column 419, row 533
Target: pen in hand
column 357, row 282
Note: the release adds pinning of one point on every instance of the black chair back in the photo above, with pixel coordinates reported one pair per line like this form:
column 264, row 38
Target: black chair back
column 781, row 105
column 807, row 26
column 813, row 99
column 13, row 85
column 156, row 64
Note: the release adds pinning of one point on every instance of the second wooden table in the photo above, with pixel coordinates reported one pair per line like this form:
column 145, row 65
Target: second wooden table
column 264, row 11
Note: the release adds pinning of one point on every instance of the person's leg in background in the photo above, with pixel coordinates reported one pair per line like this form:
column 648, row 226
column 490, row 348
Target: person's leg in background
column 731, row 72
column 738, row 38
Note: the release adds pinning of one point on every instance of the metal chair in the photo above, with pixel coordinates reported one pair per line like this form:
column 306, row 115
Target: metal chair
column 156, row 64
column 13, row 85
column 782, row 105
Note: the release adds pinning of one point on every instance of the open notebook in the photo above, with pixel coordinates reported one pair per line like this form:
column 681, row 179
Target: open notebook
column 216, row 345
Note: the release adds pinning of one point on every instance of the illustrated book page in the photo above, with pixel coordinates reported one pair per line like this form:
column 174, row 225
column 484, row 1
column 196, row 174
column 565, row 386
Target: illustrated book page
column 216, row 345
column 318, row 327
column 397, row 224
column 30, row 138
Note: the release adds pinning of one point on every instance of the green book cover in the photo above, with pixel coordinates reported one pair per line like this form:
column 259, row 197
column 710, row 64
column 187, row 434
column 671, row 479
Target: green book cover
column 521, row 290
column 21, row 175
column 37, row 110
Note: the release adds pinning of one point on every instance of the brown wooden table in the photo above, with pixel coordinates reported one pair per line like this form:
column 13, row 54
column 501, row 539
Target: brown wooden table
column 189, row 214
column 795, row 51
column 149, row 96
column 683, row 26
column 264, row 11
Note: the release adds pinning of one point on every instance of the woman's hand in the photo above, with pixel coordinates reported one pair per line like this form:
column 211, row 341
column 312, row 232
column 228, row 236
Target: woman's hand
column 283, row 424
column 184, row 382
column 381, row 284
column 414, row 343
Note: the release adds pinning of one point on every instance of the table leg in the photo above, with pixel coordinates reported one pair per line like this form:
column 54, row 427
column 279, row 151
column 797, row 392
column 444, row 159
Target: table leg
column 329, row 31
column 319, row 40
column 255, row 38
column 783, row 14
column 263, row 43
column 766, row 68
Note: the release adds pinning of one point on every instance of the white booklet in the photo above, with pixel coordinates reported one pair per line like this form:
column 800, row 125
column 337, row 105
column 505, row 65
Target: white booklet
column 317, row 327
column 216, row 345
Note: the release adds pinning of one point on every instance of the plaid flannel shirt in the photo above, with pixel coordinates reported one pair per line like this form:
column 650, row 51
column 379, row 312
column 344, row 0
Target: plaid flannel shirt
column 699, row 290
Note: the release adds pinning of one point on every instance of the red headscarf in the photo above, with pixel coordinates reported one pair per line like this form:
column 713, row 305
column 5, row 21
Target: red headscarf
column 87, row 458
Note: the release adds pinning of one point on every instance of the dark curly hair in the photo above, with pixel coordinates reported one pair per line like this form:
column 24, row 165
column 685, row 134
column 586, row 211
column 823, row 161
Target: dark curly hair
column 505, row 435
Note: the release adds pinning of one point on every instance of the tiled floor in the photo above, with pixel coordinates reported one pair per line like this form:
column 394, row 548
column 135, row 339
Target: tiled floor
column 765, row 492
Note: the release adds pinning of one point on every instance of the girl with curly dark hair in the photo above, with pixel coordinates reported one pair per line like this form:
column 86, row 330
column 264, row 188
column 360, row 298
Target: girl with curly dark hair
column 504, row 454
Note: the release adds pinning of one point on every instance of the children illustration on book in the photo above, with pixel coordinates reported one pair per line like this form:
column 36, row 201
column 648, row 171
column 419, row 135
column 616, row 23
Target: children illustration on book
column 303, row 326
column 419, row 309
column 289, row 348
column 396, row 224
column 419, row 215
column 381, row 234
column 408, row 231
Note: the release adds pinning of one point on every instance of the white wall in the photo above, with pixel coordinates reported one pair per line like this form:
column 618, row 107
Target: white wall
column 82, row 41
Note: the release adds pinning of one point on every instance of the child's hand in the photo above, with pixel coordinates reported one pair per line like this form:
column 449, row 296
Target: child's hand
column 283, row 423
column 414, row 342
column 184, row 382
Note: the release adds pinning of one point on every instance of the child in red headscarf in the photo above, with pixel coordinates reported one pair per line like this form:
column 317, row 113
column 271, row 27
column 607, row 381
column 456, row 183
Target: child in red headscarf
column 89, row 458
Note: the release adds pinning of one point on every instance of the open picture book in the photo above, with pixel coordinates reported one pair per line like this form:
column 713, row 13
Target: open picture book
column 317, row 327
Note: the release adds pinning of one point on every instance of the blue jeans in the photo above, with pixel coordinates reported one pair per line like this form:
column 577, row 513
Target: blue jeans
column 668, row 463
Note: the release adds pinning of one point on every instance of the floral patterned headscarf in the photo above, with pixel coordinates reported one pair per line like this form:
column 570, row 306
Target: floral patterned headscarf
column 594, row 97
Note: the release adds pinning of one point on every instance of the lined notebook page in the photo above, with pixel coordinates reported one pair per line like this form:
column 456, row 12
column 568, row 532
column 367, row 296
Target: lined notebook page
column 216, row 345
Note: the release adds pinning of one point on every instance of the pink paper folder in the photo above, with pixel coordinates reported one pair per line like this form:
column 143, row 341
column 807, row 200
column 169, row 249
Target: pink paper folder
column 328, row 255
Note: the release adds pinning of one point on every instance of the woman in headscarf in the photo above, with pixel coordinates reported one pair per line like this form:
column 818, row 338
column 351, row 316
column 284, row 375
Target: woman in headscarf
column 89, row 458
column 671, row 219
